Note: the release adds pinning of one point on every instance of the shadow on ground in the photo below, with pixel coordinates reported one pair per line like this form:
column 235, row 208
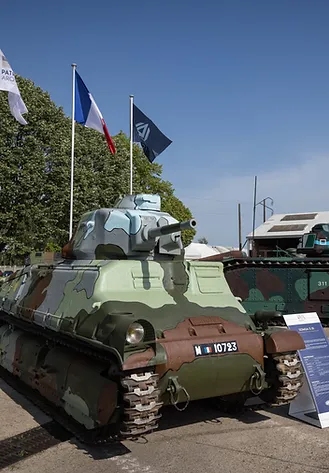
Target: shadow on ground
column 204, row 411
column 50, row 433
column 36, row 440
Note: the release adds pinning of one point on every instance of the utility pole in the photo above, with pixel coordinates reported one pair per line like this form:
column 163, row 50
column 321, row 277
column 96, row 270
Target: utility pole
column 263, row 203
column 239, row 227
column 264, row 211
column 254, row 216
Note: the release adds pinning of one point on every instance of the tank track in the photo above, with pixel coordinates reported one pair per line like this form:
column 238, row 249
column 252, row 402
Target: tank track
column 138, row 414
column 286, row 373
column 141, row 399
column 231, row 264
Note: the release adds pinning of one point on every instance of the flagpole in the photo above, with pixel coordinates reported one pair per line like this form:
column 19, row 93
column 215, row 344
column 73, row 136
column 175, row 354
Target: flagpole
column 131, row 141
column 72, row 149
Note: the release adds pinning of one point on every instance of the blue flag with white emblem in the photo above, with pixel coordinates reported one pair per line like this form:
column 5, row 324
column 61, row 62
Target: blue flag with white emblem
column 152, row 140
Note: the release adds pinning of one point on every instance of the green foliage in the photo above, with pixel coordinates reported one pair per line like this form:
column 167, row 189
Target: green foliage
column 35, row 163
column 203, row 240
column 53, row 247
column 177, row 209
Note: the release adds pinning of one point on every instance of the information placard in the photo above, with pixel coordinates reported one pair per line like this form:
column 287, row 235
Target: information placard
column 312, row 403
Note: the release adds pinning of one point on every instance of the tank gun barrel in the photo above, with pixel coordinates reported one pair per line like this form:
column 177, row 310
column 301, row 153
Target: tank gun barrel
column 172, row 228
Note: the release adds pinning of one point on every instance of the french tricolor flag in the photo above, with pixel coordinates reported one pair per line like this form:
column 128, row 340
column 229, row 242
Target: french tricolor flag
column 87, row 113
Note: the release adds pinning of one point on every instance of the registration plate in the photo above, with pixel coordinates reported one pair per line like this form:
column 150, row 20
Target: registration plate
column 215, row 348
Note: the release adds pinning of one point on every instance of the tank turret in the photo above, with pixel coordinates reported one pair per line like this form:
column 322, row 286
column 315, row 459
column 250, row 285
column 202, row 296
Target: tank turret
column 134, row 228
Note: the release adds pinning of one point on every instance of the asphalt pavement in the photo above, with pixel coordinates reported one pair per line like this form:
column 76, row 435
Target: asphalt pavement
column 199, row 439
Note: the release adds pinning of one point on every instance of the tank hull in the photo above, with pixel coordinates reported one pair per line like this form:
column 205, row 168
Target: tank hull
column 64, row 334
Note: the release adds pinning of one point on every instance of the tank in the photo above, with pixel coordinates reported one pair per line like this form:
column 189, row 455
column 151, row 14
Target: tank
column 122, row 325
column 294, row 281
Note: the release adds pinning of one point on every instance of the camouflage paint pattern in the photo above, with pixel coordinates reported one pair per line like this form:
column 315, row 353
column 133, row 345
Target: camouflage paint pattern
column 126, row 265
column 298, row 282
column 66, row 379
column 286, row 285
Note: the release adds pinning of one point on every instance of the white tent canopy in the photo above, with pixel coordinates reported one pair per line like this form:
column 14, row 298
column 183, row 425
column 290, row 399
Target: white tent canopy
column 199, row 250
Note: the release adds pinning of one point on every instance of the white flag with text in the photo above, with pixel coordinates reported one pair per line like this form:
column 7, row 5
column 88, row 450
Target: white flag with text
column 8, row 83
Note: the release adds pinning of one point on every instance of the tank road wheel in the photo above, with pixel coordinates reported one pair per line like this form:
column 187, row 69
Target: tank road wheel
column 141, row 404
column 285, row 373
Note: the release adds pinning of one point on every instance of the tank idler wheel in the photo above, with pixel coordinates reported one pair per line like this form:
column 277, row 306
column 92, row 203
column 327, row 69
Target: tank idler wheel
column 284, row 371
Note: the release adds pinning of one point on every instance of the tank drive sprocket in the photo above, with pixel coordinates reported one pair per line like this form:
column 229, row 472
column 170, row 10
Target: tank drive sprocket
column 141, row 404
column 286, row 374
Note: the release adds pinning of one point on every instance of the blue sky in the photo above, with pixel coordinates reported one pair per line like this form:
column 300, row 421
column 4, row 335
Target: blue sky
column 240, row 87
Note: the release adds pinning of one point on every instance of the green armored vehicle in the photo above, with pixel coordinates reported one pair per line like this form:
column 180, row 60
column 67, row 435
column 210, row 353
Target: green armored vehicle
column 123, row 325
column 292, row 281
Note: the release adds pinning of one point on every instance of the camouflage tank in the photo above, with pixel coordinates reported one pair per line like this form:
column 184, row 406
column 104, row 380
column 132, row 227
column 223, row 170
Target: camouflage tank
column 123, row 325
column 296, row 281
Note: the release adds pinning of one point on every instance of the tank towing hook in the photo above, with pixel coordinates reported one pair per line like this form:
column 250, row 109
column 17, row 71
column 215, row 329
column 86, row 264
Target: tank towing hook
column 257, row 380
column 174, row 388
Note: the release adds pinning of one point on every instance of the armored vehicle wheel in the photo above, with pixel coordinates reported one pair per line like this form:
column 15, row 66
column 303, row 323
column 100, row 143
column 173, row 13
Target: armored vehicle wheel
column 285, row 373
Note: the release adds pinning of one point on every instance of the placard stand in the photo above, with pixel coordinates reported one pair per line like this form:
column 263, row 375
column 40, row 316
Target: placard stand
column 312, row 403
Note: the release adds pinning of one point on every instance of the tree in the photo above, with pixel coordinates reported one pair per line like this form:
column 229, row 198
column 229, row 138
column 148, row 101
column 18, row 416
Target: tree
column 30, row 156
column 35, row 175
column 174, row 206
column 203, row 240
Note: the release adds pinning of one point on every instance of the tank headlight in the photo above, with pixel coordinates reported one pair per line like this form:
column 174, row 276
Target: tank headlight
column 135, row 333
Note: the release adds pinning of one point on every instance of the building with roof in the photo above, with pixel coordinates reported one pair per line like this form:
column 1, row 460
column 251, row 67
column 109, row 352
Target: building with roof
column 283, row 231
